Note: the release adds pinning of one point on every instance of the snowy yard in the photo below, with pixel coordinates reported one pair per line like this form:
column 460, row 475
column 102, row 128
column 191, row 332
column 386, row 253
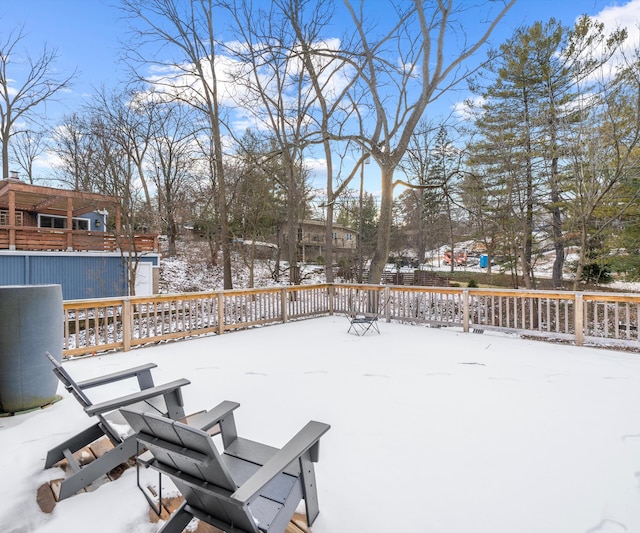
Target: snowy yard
column 431, row 429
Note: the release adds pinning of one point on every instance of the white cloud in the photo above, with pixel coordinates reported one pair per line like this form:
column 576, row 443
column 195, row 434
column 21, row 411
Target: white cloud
column 620, row 15
column 467, row 109
column 625, row 16
column 317, row 164
column 238, row 83
column 614, row 17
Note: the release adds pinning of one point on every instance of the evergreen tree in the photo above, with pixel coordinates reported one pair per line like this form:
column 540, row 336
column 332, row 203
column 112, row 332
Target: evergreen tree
column 540, row 78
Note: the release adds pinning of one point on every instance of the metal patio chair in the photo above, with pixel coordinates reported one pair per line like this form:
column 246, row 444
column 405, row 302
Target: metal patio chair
column 249, row 487
column 164, row 399
column 361, row 321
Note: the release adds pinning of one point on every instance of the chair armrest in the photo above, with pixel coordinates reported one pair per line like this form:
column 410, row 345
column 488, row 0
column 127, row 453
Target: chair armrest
column 306, row 439
column 153, row 392
column 117, row 376
column 205, row 421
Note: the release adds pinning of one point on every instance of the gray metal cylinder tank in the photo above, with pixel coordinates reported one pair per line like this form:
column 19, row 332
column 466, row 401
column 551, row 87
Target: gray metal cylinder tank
column 31, row 323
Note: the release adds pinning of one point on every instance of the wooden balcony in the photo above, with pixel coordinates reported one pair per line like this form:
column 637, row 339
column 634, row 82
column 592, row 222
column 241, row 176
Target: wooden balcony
column 21, row 205
column 64, row 240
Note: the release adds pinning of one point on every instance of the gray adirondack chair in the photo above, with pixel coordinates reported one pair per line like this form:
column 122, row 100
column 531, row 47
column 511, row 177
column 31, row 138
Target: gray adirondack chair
column 164, row 399
column 248, row 488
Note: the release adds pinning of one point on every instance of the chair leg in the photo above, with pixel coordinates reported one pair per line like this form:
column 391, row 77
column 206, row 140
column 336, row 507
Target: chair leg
column 75, row 443
column 178, row 521
column 156, row 507
column 175, row 405
column 309, row 487
column 282, row 519
column 373, row 325
column 101, row 466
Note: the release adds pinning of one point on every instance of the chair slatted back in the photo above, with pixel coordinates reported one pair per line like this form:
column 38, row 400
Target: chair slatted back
column 69, row 382
column 189, row 456
column 71, row 386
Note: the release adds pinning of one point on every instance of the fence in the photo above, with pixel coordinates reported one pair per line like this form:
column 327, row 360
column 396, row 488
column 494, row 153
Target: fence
column 122, row 323
column 61, row 239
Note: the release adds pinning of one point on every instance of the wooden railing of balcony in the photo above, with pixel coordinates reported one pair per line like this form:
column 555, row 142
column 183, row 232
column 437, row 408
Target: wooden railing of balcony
column 122, row 323
column 49, row 239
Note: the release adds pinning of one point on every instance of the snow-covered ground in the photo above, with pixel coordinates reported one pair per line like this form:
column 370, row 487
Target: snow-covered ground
column 191, row 270
column 431, row 429
column 543, row 265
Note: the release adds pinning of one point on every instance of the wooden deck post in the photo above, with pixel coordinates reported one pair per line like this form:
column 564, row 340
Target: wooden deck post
column 465, row 310
column 578, row 314
column 220, row 312
column 126, row 324
column 387, row 306
column 12, row 220
column 330, row 294
column 283, row 305
column 69, row 235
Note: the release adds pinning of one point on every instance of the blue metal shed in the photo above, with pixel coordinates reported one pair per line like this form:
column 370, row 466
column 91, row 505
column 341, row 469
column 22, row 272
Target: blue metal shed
column 82, row 275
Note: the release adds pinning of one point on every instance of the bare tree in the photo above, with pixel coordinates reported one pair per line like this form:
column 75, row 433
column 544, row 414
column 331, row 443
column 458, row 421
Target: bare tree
column 326, row 72
column 273, row 79
column 26, row 148
column 172, row 159
column 117, row 176
column 191, row 77
column 72, row 144
column 97, row 156
column 25, row 83
column 416, row 165
column 132, row 115
column 401, row 72
column 257, row 208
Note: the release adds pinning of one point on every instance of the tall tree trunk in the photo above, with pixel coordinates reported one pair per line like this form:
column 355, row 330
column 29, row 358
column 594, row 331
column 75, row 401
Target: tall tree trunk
column 328, row 244
column 5, row 155
column 278, row 258
column 381, row 253
column 527, row 251
column 556, row 226
column 172, row 235
column 143, row 182
column 225, row 238
column 292, row 227
column 582, row 257
column 252, row 261
column 420, row 243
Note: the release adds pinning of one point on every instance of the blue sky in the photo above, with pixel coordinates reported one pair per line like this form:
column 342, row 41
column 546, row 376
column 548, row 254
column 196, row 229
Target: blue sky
column 87, row 34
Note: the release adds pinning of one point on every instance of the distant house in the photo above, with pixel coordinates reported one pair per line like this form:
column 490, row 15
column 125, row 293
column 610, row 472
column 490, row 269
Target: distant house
column 50, row 235
column 312, row 239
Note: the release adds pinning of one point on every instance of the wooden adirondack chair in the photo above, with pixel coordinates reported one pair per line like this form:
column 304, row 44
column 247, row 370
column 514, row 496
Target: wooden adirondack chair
column 164, row 399
column 247, row 488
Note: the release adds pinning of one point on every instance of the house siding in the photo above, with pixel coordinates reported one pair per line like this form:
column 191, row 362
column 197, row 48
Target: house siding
column 81, row 275
column 13, row 270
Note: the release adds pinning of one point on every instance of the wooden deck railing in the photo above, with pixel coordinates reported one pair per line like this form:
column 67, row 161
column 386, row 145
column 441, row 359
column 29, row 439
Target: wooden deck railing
column 49, row 239
column 122, row 323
